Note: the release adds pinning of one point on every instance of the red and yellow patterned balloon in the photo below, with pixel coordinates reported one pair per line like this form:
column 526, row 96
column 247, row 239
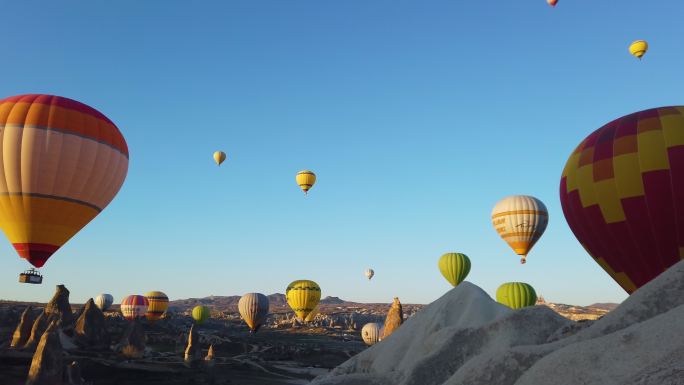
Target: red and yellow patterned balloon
column 622, row 193
column 61, row 163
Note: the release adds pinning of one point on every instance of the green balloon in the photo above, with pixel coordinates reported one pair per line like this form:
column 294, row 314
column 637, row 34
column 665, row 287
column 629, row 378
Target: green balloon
column 200, row 314
column 454, row 267
column 516, row 295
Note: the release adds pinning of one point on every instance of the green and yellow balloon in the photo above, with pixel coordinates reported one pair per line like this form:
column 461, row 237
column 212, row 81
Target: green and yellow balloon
column 516, row 295
column 454, row 267
column 200, row 314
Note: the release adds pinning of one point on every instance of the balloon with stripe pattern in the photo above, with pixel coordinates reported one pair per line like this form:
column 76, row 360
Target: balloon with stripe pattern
column 520, row 220
column 454, row 267
column 516, row 295
column 253, row 308
column 159, row 303
column 63, row 163
column 134, row 307
column 104, row 301
column 305, row 179
column 302, row 296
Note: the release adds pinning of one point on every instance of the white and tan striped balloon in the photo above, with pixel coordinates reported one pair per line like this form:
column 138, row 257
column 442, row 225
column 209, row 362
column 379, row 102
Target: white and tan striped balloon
column 253, row 308
column 104, row 301
column 520, row 220
column 371, row 333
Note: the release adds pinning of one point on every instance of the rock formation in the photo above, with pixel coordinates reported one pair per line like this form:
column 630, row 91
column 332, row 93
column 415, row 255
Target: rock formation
column 132, row 344
column 193, row 351
column 465, row 337
column 209, row 359
column 23, row 331
column 47, row 366
column 37, row 330
column 73, row 375
column 59, row 307
column 90, row 330
column 395, row 317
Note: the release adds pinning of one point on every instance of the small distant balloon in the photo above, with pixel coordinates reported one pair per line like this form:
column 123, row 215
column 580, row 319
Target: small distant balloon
column 520, row 220
column 516, row 295
column 371, row 333
column 306, row 179
column 134, row 307
column 253, row 308
column 552, row 2
column 369, row 273
column 159, row 302
column 638, row 48
column 219, row 157
column 104, row 301
column 200, row 314
column 303, row 296
column 454, row 267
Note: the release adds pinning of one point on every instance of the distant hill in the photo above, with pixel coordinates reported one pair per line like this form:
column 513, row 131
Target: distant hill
column 332, row 301
column 605, row 306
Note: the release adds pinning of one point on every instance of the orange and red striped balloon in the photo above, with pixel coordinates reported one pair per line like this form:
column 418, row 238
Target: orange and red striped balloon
column 134, row 307
column 62, row 163
column 622, row 193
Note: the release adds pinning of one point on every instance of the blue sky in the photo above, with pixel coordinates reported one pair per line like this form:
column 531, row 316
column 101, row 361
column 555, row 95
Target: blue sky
column 416, row 116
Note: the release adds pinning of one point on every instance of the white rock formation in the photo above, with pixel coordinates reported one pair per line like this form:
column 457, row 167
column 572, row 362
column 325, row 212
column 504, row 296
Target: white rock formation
column 467, row 338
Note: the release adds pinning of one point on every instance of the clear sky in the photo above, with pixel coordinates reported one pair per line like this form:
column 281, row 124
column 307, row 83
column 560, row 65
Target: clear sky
column 417, row 117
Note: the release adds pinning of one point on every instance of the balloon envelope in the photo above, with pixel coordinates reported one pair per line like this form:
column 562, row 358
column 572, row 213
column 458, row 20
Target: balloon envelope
column 369, row 273
column 520, row 220
column 622, row 193
column 516, row 295
column 200, row 314
column 303, row 296
column 104, row 301
column 62, row 163
column 454, row 267
column 159, row 302
column 253, row 308
column 371, row 333
column 638, row 48
column 305, row 179
column 134, row 307
column 219, row 157
column 552, row 2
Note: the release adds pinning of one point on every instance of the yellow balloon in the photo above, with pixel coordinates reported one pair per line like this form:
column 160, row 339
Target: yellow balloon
column 305, row 179
column 158, row 304
column 520, row 220
column 219, row 157
column 313, row 314
column 303, row 296
column 638, row 48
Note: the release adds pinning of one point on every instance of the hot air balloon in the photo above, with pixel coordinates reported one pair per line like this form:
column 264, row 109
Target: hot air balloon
column 159, row 302
column 200, row 314
column 516, row 295
column 62, row 163
column 219, row 157
column 305, row 179
column 253, row 308
column 104, row 301
column 312, row 315
column 622, row 193
column 638, row 48
column 134, row 307
column 454, row 267
column 520, row 220
column 552, row 2
column 371, row 333
column 369, row 273
column 303, row 296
